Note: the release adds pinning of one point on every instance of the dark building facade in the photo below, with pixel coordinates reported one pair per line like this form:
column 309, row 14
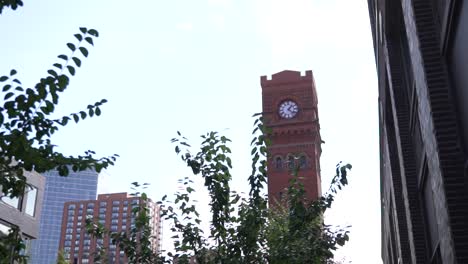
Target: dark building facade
column 114, row 212
column 58, row 190
column 289, row 102
column 422, row 66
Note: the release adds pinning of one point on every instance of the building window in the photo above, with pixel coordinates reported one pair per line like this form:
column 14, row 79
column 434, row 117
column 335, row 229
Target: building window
column 291, row 162
column 15, row 201
column 302, row 162
column 278, row 163
column 4, row 229
column 31, row 195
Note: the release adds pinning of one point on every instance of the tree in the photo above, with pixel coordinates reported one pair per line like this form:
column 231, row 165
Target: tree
column 26, row 125
column 61, row 258
column 11, row 245
column 295, row 233
column 242, row 229
column 13, row 4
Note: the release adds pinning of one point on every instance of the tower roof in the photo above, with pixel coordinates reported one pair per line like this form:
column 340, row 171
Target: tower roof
column 287, row 76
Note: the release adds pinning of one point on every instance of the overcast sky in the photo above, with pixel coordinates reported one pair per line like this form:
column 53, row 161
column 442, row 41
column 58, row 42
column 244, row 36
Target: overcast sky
column 195, row 66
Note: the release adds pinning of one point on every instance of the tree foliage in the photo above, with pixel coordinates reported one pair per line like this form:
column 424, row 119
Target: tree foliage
column 61, row 258
column 27, row 123
column 242, row 228
column 13, row 4
column 11, row 246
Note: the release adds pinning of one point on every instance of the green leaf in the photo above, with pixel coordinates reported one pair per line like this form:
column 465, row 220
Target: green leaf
column 83, row 30
column 89, row 40
column 76, row 118
column 3, row 78
column 63, row 57
column 52, row 72
column 91, row 112
column 97, row 111
column 77, row 61
column 79, row 37
column 63, row 81
column 83, row 114
column 93, row 32
column 8, row 95
column 6, row 87
column 71, row 46
column 50, row 106
column 58, row 65
column 16, row 81
column 84, row 51
column 12, row 72
column 71, row 70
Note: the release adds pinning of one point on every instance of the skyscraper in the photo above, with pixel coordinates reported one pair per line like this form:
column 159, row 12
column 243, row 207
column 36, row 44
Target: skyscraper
column 114, row 212
column 58, row 190
column 420, row 51
column 290, row 110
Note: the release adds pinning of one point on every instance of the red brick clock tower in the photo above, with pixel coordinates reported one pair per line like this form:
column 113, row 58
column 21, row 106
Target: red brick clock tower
column 290, row 110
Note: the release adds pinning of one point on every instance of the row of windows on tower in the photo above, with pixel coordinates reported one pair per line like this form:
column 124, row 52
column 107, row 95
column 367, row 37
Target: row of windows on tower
column 291, row 162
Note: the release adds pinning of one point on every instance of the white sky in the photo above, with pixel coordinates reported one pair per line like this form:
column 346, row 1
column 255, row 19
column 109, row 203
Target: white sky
column 195, row 66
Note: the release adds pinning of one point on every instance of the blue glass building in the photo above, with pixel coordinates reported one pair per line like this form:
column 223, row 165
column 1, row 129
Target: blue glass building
column 58, row 190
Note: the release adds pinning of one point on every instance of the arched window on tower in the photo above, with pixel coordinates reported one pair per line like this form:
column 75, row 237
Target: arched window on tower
column 302, row 162
column 291, row 162
column 278, row 163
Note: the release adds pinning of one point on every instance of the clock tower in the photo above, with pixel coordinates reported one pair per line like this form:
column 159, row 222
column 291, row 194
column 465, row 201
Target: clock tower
column 289, row 102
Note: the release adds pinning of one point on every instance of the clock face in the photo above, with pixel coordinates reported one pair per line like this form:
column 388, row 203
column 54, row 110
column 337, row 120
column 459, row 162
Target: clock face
column 288, row 109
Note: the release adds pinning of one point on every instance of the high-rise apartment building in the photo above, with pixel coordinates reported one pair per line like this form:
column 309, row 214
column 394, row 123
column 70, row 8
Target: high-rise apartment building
column 290, row 111
column 114, row 212
column 58, row 190
column 422, row 61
